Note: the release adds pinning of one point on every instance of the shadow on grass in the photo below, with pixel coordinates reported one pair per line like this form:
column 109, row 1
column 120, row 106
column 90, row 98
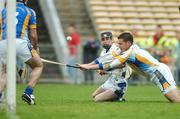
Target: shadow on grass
column 128, row 101
column 147, row 101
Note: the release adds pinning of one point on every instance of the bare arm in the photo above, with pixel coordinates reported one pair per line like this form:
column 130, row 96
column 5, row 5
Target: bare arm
column 89, row 66
column 102, row 62
column 106, row 64
column 34, row 38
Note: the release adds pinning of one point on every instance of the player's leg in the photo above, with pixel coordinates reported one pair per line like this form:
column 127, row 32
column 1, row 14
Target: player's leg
column 2, row 80
column 173, row 95
column 120, row 89
column 165, row 81
column 37, row 66
column 101, row 89
column 111, row 91
column 3, row 74
column 31, row 58
column 97, row 91
column 107, row 95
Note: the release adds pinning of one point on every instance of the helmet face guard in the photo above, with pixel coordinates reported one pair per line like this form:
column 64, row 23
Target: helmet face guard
column 19, row 0
column 106, row 35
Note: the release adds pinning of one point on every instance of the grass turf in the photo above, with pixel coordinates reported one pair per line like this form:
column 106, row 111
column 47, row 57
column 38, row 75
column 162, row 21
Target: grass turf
column 58, row 101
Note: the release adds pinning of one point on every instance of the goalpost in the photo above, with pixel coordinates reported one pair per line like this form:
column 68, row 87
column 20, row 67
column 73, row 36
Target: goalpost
column 11, row 55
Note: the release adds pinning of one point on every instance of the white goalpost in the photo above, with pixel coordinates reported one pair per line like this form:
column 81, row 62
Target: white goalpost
column 11, row 55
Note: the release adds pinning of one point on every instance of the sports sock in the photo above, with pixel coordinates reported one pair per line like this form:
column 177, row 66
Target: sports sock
column 28, row 90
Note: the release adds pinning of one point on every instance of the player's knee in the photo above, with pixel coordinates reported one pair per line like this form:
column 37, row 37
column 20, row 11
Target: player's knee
column 93, row 95
column 175, row 99
column 35, row 63
column 173, row 96
column 96, row 99
column 41, row 65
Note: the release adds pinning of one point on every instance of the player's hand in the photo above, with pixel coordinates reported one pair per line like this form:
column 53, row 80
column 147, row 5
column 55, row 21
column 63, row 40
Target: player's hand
column 102, row 72
column 83, row 66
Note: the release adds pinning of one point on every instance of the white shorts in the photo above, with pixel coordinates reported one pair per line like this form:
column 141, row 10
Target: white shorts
column 163, row 78
column 118, row 86
column 23, row 50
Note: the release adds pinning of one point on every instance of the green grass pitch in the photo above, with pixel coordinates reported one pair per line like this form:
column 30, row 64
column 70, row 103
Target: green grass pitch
column 59, row 101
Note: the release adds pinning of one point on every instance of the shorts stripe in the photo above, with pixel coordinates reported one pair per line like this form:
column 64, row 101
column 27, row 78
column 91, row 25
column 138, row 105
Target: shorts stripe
column 164, row 83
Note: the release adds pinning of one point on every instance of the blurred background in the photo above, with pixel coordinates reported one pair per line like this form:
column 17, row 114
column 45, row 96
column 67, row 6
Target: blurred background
column 68, row 28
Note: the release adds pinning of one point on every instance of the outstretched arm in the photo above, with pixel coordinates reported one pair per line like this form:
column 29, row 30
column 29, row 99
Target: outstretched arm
column 107, row 66
column 110, row 61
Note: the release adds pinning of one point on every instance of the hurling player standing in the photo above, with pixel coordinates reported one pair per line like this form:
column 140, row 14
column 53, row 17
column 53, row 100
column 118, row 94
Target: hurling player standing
column 26, row 46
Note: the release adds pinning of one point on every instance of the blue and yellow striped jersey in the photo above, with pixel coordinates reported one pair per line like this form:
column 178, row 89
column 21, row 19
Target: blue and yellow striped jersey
column 25, row 19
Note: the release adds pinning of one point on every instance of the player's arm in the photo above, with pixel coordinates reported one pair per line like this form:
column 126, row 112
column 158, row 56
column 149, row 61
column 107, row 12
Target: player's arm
column 101, row 61
column 103, row 65
column 100, row 66
column 119, row 60
column 33, row 37
column 33, row 31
